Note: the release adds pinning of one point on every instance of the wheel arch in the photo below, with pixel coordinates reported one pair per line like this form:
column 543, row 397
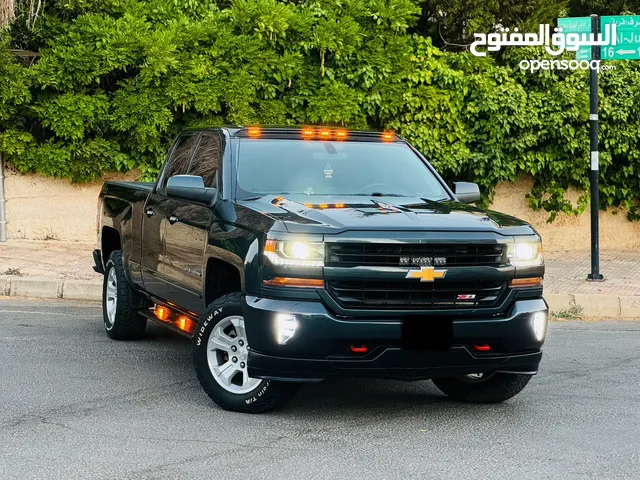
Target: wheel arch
column 221, row 278
column 110, row 240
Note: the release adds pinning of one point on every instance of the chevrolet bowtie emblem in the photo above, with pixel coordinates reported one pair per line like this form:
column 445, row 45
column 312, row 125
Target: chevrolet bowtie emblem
column 426, row 274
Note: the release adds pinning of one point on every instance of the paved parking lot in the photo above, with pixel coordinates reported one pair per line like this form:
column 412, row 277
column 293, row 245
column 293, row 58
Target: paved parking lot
column 74, row 404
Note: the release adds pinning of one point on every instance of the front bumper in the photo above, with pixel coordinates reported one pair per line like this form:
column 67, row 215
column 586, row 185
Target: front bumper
column 320, row 347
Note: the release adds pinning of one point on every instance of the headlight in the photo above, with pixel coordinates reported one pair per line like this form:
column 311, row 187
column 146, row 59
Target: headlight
column 295, row 253
column 523, row 254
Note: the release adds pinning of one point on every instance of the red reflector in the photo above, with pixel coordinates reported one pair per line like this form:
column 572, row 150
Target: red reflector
column 360, row 349
column 482, row 348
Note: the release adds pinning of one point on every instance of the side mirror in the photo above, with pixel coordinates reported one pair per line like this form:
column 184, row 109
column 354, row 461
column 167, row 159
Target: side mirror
column 189, row 187
column 467, row 192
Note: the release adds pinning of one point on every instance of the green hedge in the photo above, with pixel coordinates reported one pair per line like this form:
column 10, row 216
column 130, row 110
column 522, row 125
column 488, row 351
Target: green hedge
column 117, row 79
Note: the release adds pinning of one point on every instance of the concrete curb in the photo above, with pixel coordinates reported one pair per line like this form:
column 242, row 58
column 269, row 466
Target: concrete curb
column 562, row 305
column 51, row 288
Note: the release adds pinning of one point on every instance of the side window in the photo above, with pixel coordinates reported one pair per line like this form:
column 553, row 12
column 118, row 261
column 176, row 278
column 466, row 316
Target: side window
column 208, row 157
column 178, row 163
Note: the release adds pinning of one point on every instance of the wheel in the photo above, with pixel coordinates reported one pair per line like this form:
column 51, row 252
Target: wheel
column 220, row 359
column 120, row 304
column 491, row 387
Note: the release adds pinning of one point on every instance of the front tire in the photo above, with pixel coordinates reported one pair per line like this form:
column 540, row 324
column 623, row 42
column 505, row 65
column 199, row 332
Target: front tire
column 220, row 358
column 120, row 304
column 492, row 387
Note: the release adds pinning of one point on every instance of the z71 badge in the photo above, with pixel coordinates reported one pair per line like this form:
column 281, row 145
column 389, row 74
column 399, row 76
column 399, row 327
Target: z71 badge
column 426, row 274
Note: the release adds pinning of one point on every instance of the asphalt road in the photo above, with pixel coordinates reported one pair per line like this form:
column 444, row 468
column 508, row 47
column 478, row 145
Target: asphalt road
column 74, row 404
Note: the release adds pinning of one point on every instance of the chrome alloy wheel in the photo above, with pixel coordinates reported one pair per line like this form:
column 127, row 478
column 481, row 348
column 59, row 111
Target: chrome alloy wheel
column 111, row 297
column 227, row 356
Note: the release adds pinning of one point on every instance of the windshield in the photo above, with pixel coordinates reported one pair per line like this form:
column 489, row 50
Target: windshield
column 334, row 168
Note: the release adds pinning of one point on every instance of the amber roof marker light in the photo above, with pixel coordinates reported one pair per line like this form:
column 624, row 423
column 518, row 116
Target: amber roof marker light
column 388, row 136
column 253, row 132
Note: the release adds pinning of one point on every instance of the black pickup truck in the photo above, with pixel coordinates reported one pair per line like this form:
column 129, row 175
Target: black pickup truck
column 292, row 255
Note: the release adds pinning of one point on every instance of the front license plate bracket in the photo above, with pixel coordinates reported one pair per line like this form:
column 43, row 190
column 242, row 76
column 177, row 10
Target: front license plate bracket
column 427, row 333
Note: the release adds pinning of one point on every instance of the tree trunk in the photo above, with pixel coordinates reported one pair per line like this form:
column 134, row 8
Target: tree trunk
column 7, row 13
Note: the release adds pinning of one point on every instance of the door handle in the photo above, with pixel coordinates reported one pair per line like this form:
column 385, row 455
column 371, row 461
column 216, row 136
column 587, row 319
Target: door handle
column 149, row 212
column 173, row 219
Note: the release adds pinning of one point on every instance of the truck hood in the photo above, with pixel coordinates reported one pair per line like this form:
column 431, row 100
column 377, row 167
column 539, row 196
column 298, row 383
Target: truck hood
column 331, row 215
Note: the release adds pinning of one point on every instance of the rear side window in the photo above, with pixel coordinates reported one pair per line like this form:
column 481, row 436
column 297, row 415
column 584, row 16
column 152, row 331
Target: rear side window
column 178, row 163
column 208, row 157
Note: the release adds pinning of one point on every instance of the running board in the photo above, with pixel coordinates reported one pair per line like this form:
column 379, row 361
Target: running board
column 177, row 321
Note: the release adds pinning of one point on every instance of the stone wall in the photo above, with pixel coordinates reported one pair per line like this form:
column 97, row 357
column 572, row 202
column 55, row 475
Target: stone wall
column 46, row 208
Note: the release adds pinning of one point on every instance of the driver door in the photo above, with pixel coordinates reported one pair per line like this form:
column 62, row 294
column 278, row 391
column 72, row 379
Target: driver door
column 187, row 229
column 155, row 274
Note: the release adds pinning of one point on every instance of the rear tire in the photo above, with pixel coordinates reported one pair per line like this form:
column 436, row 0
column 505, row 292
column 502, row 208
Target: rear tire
column 219, row 357
column 493, row 388
column 120, row 304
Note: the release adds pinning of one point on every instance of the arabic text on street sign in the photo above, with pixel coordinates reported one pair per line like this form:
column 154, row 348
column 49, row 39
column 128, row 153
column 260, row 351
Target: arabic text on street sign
column 577, row 25
column 627, row 37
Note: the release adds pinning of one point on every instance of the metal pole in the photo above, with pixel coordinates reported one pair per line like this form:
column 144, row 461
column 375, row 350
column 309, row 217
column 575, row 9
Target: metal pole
column 594, row 172
column 3, row 217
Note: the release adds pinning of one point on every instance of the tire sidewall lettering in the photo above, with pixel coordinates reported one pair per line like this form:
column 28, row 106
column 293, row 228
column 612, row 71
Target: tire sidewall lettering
column 205, row 324
column 262, row 391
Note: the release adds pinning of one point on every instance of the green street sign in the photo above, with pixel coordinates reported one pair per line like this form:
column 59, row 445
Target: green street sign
column 577, row 25
column 627, row 37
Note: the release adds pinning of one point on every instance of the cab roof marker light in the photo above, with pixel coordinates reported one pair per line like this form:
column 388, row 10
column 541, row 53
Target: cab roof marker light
column 307, row 133
column 253, row 132
column 341, row 134
column 325, row 134
column 387, row 136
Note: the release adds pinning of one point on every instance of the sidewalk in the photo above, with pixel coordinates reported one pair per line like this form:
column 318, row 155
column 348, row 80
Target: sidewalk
column 51, row 269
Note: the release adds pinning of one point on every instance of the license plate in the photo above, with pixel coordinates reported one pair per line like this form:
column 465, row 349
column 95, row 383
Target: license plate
column 427, row 333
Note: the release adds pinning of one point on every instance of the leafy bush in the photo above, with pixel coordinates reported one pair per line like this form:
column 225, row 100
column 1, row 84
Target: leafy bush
column 117, row 79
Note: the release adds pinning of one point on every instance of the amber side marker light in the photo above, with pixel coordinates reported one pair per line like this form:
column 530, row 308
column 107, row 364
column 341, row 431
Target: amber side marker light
column 294, row 282
column 270, row 246
column 186, row 324
column 526, row 282
column 162, row 313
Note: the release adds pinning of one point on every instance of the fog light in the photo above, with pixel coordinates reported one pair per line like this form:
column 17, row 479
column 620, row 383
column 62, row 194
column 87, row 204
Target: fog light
column 539, row 325
column 286, row 326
